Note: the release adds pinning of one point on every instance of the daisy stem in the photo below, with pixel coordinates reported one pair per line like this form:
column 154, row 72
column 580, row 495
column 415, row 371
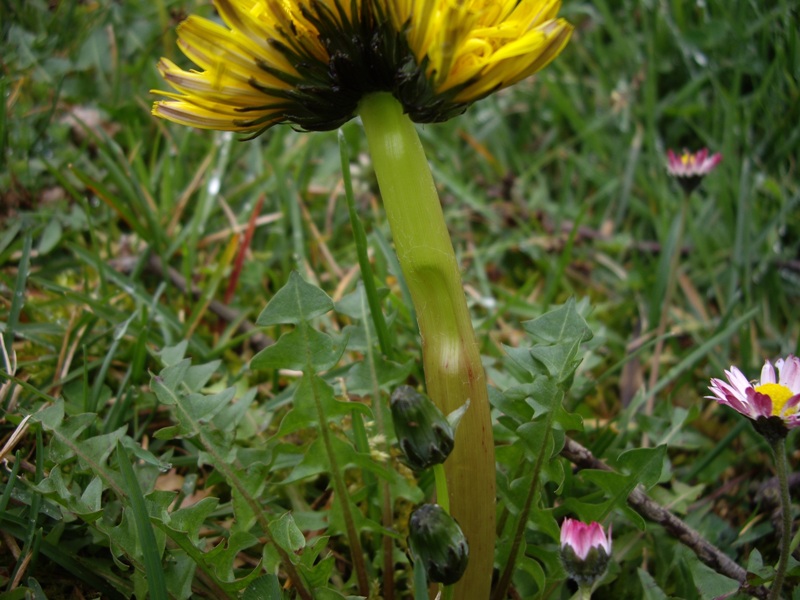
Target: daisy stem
column 672, row 278
column 450, row 354
column 782, row 468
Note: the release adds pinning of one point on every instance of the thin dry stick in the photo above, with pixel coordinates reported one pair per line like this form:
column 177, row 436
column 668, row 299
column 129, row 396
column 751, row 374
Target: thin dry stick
column 651, row 510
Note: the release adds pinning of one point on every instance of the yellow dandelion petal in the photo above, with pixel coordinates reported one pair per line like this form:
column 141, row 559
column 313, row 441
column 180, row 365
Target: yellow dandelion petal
column 309, row 62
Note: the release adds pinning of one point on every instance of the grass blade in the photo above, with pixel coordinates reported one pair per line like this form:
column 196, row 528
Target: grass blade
column 152, row 559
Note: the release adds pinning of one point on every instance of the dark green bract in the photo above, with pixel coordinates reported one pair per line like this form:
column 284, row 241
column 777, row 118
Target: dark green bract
column 425, row 436
column 437, row 544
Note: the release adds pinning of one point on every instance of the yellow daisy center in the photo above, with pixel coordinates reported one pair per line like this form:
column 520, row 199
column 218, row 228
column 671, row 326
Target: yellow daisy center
column 779, row 394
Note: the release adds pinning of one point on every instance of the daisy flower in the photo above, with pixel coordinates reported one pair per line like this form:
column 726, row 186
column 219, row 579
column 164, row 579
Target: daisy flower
column 690, row 168
column 774, row 395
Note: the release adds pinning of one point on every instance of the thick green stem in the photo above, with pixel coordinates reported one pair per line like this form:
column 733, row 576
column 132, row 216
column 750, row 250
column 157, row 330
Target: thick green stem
column 453, row 370
column 782, row 468
column 442, row 495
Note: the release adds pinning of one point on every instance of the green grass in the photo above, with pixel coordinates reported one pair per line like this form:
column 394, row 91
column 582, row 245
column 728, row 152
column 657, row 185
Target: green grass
column 553, row 189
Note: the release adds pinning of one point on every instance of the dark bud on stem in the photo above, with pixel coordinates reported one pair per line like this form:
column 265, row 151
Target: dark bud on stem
column 426, row 437
column 772, row 428
column 437, row 544
column 585, row 572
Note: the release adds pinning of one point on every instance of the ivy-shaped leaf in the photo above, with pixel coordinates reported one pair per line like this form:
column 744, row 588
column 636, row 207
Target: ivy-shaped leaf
column 642, row 466
column 190, row 520
column 387, row 373
column 304, row 414
column 287, row 534
column 296, row 302
column 316, row 461
column 299, row 349
column 559, row 325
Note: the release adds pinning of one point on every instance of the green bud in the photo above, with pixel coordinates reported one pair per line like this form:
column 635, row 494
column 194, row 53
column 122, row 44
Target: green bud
column 585, row 550
column 587, row 571
column 437, row 544
column 425, row 435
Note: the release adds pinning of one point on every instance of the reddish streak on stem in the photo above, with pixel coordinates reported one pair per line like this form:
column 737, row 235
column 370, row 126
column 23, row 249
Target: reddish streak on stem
column 248, row 236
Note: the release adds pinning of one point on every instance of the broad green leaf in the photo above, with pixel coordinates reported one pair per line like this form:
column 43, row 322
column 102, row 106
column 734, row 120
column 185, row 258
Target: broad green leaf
column 172, row 355
column 529, row 577
column 709, row 583
column 511, row 402
column 266, row 587
column 536, row 437
column 560, row 360
column 316, row 462
column 522, row 357
column 296, row 302
column 197, row 376
column 253, row 480
column 96, row 450
column 233, row 413
column 650, row 589
column 678, row 497
column 89, row 507
column 286, row 533
column 300, row 349
column 170, row 378
column 51, row 235
column 190, row 520
column 352, row 304
column 387, row 373
column 195, row 409
column 330, row 594
column 179, row 570
column 51, row 416
column 559, row 325
column 312, row 395
column 224, row 554
column 642, row 466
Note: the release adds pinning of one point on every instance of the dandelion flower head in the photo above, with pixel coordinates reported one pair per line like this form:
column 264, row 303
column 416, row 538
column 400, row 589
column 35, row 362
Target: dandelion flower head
column 309, row 62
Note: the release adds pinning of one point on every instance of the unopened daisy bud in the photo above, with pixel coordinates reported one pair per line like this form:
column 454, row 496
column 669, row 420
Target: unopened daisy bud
column 424, row 433
column 437, row 544
column 585, row 551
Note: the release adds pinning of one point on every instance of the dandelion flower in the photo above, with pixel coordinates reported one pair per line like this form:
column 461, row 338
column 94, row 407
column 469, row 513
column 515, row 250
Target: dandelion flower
column 773, row 397
column 309, row 62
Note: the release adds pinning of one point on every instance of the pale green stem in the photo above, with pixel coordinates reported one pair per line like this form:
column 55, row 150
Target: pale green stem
column 585, row 592
column 451, row 358
column 442, row 497
column 443, row 500
column 782, row 468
